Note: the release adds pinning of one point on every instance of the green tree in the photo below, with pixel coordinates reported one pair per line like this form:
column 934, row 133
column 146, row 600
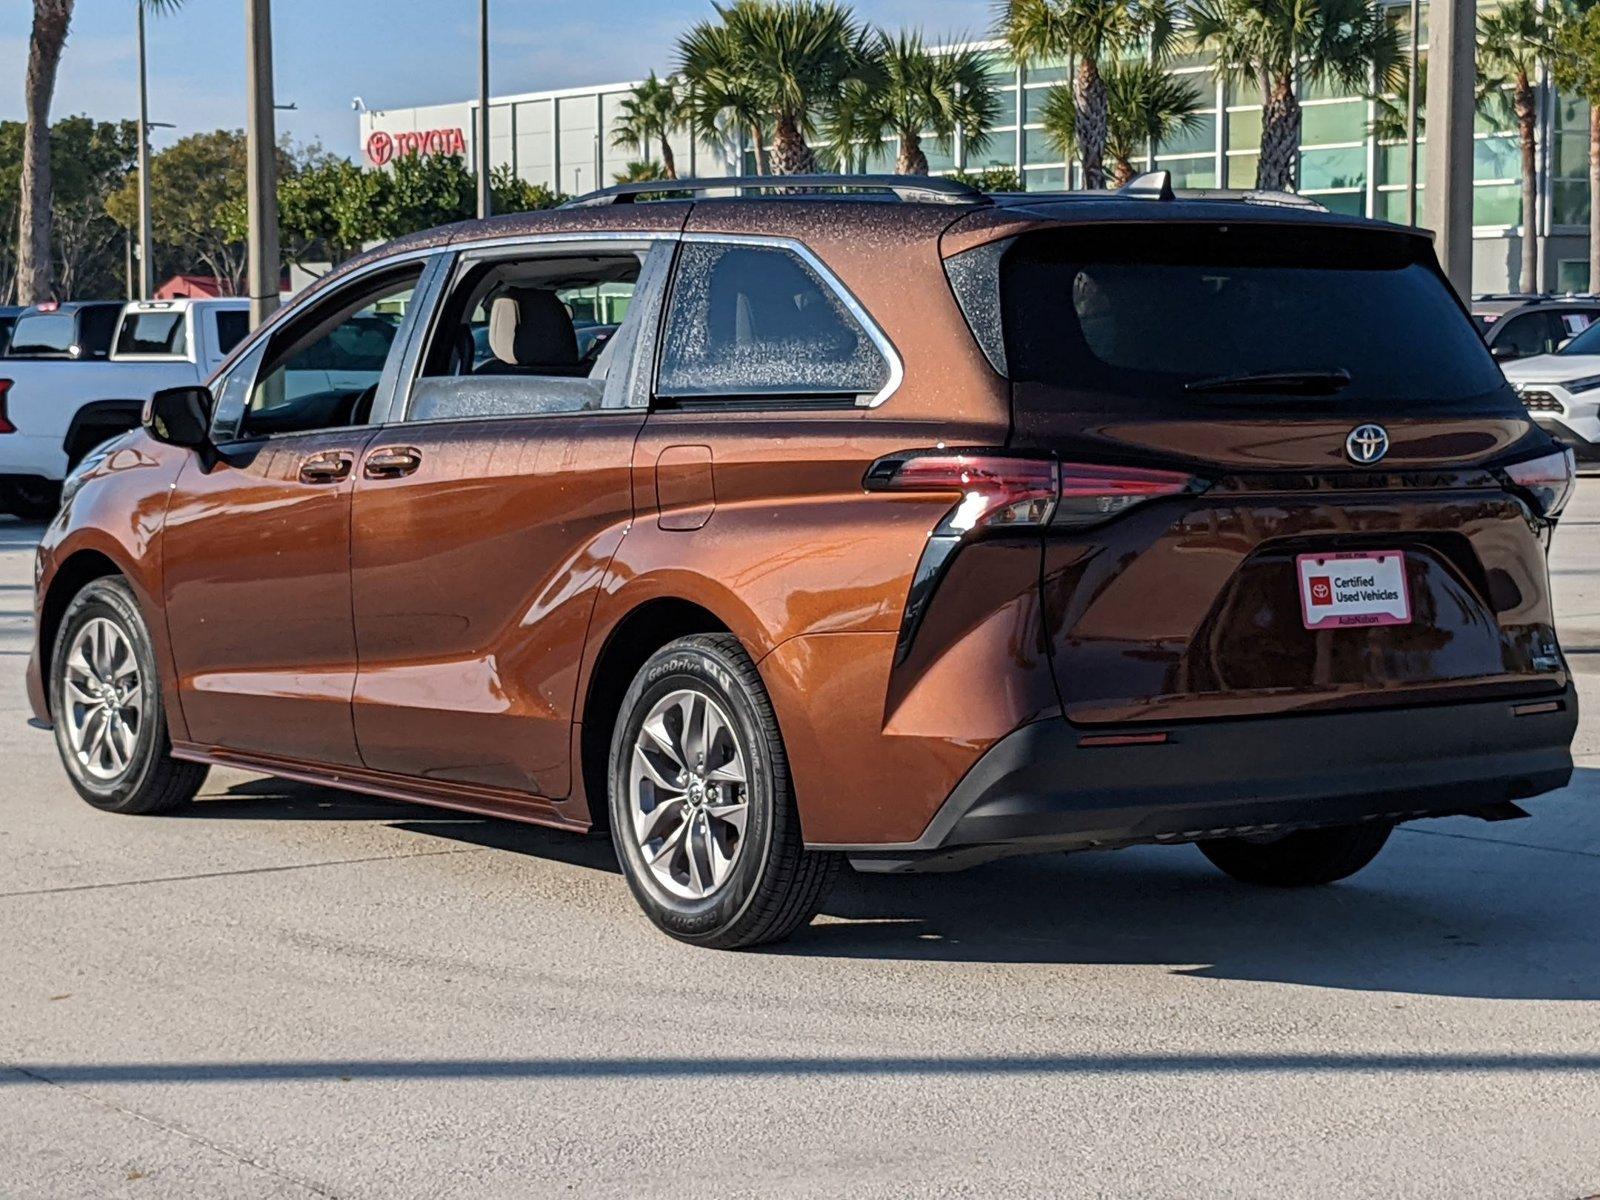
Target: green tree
column 511, row 193
column 1280, row 44
column 1577, row 72
column 905, row 92
column 91, row 160
column 991, row 179
column 424, row 191
column 1144, row 106
column 720, row 92
column 1093, row 32
column 1515, row 43
column 650, row 113
column 791, row 58
column 641, row 171
column 194, row 185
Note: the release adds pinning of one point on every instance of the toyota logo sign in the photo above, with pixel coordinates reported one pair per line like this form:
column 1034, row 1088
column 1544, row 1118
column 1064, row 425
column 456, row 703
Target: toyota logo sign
column 1367, row 444
column 380, row 148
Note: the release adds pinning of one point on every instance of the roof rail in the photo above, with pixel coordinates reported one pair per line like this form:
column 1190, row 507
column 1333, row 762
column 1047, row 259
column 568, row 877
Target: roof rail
column 1157, row 185
column 926, row 189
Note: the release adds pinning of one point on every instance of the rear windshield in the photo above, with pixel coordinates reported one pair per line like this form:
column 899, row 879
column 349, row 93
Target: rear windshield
column 43, row 334
column 152, row 333
column 1155, row 317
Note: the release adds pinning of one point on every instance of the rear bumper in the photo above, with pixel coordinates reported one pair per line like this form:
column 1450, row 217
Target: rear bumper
column 1040, row 789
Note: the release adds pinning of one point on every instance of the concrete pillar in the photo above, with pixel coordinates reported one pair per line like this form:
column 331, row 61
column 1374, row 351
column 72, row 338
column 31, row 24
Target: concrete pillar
column 1452, row 73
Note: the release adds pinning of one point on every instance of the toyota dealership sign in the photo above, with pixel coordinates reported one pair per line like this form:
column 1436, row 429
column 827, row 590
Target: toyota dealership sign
column 384, row 146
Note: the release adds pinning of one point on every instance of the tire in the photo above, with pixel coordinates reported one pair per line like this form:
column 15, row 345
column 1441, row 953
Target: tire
column 1309, row 858
column 720, row 877
column 121, row 764
column 36, row 501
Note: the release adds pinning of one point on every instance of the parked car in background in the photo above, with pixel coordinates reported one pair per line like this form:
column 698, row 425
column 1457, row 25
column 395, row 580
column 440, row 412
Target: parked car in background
column 8, row 317
column 905, row 534
column 74, row 331
column 1522, row 327
column 1561, row 392
column 57, row 404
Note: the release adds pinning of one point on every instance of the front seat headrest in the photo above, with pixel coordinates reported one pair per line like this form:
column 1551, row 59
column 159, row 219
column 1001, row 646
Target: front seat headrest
column 530, row 328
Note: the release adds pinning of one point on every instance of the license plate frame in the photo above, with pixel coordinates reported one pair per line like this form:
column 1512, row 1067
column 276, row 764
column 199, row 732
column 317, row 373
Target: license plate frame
column 1364, row 599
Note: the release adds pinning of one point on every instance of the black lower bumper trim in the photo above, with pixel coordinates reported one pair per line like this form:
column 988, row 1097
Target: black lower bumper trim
column 1038, row 789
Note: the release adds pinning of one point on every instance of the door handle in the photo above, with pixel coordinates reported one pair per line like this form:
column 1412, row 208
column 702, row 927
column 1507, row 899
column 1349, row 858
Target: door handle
column 327, row 467
column 391, row 462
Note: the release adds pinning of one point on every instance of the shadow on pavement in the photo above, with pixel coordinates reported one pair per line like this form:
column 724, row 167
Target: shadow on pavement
column 1445, row 916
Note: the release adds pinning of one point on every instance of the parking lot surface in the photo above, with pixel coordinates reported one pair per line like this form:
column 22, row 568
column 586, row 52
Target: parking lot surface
column 290, row 991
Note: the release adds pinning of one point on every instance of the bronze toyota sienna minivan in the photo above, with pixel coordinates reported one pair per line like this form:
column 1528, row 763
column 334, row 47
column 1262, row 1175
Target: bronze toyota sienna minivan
column 874, row 521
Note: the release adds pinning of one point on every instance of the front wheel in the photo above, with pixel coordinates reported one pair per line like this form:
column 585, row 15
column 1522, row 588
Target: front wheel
column 110, row 723
column 1308, row 858
column 702, row 811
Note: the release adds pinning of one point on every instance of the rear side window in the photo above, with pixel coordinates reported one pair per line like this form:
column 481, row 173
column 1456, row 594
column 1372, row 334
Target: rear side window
column 232, row 325
column 1160, row 317
column 43, row 334
column 153, row 333
column 759, row 321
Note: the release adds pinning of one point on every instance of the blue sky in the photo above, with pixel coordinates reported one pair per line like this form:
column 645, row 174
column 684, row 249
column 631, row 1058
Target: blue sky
column 392, row 53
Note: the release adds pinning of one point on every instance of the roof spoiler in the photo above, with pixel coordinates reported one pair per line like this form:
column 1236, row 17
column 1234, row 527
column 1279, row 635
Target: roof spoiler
column 922, row 189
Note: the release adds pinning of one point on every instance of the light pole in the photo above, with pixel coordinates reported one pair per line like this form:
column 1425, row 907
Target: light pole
column 1411, row 117
column 1452, row 78
column 261, row 185
column 144, row 168
column 482, row 138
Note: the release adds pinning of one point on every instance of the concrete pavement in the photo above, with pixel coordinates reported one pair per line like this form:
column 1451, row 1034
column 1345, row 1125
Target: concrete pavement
column 297, row 992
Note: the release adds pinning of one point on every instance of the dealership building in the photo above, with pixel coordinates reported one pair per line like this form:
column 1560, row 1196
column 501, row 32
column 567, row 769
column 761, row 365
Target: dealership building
column 563, row 139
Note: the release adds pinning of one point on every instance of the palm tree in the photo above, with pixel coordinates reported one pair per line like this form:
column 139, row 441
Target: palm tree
column 35, row 235
column 793, row 57
column 1577, row 72
column 1144, row 106
column 642, row 171
column 1280, row 44
column 35, row 267
column 1514, row 43
column 719, row 89
column 1091, row 31
column 650, row 113
column 908, row 91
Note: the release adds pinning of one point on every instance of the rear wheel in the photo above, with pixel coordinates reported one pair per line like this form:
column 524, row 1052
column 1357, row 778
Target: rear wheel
column 1304, row 859
column 702, row 811
column 110, row 722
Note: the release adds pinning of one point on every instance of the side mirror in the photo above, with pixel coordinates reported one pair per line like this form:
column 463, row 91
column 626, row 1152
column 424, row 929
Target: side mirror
column 179, row 416
column 1503, row 353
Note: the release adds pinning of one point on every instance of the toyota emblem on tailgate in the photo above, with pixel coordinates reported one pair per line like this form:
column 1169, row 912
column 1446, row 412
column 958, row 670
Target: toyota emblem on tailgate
column 1367, row 444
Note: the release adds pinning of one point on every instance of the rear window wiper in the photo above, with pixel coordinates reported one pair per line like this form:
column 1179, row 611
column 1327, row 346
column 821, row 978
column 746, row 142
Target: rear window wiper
column 1304, row 383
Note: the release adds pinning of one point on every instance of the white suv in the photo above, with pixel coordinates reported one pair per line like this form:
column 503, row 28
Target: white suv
column 1562, row 392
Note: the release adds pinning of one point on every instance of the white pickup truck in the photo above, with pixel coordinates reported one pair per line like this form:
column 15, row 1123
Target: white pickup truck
column 71, row 380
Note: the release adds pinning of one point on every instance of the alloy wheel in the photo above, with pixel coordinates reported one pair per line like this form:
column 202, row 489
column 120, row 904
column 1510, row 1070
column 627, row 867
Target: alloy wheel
column 103, row 699
column 688, row 794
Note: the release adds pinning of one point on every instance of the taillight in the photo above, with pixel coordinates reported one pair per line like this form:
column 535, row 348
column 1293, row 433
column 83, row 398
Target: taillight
column 995, row 490
column 998, row 490
column 5, row 421
column 1001, row 491
column 1548, row 479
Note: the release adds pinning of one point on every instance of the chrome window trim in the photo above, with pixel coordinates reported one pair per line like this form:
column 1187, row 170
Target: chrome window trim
column 886, row 348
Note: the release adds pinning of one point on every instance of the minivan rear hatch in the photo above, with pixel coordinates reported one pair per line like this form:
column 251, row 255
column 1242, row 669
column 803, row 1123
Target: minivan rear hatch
column 1348, row 534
